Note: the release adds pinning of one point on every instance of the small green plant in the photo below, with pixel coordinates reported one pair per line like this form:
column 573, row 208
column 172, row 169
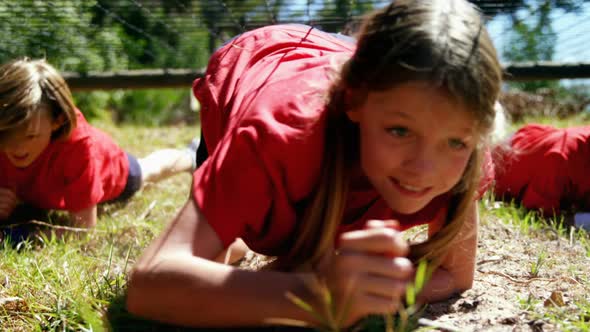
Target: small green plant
column 527, row 303
column 404, row 321
column 536, row 265
column 331, row 319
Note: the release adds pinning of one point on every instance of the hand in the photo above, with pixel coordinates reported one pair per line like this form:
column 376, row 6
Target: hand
column 369, row 271
column 8, row 202
column 84, row 218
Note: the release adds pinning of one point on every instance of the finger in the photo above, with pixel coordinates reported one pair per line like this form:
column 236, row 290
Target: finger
column 396, row 268
column 6, row 191
column 375, row 223
column 387, row 288
column 5, row 206
column 7, row 194
column 8, row 201
column 384, row 241
column 372, row 304
column 12, row 200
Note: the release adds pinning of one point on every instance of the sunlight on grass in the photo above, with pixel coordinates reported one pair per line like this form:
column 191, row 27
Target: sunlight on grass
column 78, row 283
column 70, row 284
column 573, row 315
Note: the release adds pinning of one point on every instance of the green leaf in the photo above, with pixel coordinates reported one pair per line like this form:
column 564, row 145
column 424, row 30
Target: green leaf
column 421, row 275
column 410, row 295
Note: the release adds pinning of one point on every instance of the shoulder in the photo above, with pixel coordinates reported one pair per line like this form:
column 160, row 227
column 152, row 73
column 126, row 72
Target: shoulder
column 277, row 38
column 576, row 147
column 540, row 140
column 535, row 131
column 86, row 143
column 255, row 58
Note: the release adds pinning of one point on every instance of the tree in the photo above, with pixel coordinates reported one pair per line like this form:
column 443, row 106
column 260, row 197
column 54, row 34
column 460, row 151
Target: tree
column 62, row 33
column 225, row 19
column 152, row 32
column 339, row 15
column 532, row 37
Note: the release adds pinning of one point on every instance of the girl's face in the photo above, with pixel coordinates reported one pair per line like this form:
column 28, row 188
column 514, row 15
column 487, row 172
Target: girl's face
column 32, row 138
column 415, row 142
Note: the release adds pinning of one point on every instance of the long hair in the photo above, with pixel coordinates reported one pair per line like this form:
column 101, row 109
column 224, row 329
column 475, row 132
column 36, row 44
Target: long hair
column 443, row 42
column 25, row 86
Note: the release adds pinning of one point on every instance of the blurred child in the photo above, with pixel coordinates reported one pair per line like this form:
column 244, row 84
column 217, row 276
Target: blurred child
column 51, row 158
column 321, row 152
column 546, row 168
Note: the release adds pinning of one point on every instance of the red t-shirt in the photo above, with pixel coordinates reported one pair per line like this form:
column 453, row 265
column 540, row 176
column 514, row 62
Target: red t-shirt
column 545, row 168
column 262, row 105
column 72, row 174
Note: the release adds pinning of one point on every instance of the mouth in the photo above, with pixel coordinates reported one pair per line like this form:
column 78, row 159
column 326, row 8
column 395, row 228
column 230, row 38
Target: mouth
column 410, row 190
column 20, row 157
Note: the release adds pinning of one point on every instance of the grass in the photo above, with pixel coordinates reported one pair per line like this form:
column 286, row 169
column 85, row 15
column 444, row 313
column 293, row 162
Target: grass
column 70, row 284
column 549, row 256
column 78, row 283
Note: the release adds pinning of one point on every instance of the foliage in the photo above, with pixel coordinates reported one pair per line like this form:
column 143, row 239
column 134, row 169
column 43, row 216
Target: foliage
column 151, row 36
column 72, row 284
column 61, row 33
column 228, row 18
column 512, row 6
column 336, row 15
column 532, row 42
column 532, row 37
column 559, row 103
column 331, row 318
column 106, row 35
column 79, row 284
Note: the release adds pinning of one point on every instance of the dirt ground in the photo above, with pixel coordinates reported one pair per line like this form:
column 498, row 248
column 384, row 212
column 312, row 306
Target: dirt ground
column 504, row 285
column 506, row 296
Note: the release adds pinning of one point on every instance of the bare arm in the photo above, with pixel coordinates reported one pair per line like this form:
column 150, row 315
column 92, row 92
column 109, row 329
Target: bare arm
column 85, row 218
column 456, row 272
column 177, row 280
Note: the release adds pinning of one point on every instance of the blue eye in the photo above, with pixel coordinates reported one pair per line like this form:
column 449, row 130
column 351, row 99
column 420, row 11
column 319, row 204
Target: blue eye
column 457, row 144
column 399, row 131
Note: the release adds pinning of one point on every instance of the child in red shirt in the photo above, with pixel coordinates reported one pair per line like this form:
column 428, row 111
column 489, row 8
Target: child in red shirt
column 546, row 168
column 321, row 152
column 51, row 158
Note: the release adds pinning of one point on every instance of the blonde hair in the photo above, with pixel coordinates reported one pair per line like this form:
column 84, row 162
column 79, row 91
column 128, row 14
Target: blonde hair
column 443, row 42
column 27, row 85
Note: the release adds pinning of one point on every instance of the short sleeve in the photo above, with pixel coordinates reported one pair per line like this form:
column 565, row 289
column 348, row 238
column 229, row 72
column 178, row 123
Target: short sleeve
column 233, row 188
column 82, row 188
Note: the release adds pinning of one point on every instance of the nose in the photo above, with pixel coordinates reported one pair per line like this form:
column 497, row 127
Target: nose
column 421, row 159
column 16, row 148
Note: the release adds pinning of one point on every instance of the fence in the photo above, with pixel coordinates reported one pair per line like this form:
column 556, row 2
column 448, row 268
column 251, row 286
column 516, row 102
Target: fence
column 95, row 43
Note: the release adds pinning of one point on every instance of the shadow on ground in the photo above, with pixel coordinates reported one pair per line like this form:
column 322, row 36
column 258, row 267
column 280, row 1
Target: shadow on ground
column 119, row 319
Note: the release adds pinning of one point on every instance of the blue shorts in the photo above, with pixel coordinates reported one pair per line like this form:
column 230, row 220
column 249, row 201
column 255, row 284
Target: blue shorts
column 23, row 213
column 133, row 180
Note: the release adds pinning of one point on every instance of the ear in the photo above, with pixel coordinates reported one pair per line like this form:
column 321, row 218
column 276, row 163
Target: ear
column 58, row 122
column 354, row 115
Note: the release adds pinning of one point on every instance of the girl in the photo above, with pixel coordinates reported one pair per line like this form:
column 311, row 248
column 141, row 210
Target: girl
column 546, row 168
column 321, row 153
column 51, row 158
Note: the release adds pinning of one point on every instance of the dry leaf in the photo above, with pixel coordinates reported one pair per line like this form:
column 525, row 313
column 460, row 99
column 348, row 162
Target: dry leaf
column 12, row 304
column 556, row 299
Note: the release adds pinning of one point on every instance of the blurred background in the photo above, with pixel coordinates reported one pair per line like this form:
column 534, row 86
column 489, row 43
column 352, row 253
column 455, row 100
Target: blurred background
column 134, row 60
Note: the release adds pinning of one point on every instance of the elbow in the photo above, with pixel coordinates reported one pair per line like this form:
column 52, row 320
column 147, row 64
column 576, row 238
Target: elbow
column 464, row 286
column 463, row 283
column 138, row 291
